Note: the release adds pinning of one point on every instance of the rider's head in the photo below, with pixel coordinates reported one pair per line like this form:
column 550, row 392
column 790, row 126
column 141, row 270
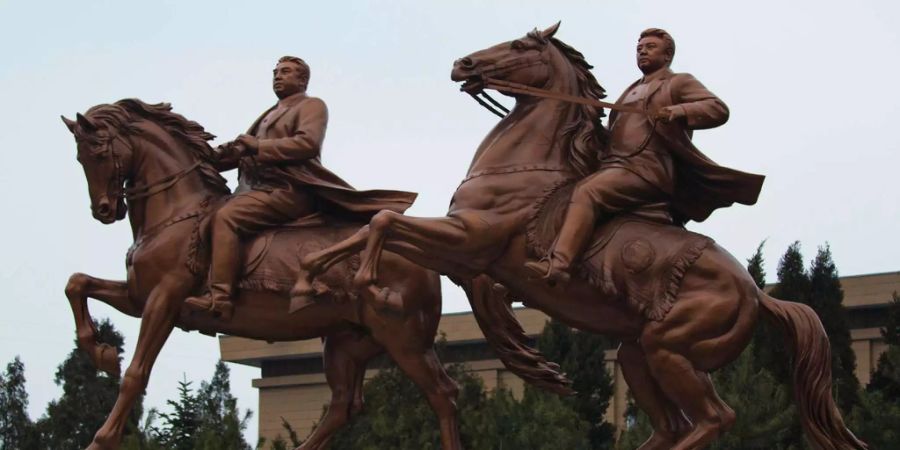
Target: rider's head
column 290, row 76
column 655, row 50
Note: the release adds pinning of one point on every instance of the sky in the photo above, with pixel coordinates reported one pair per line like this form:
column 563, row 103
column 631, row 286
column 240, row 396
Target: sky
column 809, row 85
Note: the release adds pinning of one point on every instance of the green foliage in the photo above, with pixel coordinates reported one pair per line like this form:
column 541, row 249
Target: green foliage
column 397, row 417
column 17, row 431
column 207, row 420
column 826, row 297
column 637, row 428
column 582, row 356
column 70, row 422
column 755, row 266
column 877, row 418
column 766, row 413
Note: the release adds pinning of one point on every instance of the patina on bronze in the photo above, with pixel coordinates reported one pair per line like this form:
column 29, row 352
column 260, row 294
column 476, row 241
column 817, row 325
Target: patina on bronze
column 161, row 164
column 680, row 304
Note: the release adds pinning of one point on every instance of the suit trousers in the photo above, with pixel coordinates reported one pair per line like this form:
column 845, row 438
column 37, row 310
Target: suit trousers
column 243, row 216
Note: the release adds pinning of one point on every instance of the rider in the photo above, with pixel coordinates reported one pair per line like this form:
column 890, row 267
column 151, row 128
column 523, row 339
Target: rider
column 651, row 161
column 281, row 179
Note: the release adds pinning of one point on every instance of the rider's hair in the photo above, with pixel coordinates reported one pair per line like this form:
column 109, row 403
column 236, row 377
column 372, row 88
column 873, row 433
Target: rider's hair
column 304, row 68
column 665, row 36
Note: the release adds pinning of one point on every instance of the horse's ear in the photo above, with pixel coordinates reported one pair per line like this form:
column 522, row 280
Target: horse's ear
column 70, row 124
column 549, row 32
column 85, row 123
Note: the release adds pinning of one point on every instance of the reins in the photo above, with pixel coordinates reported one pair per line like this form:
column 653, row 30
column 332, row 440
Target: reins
column 516, row 88
column 163, row 184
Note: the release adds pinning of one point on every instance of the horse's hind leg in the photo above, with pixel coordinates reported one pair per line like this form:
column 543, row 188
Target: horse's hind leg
column 158, row 320
column 682, row 383
column 422, row 366
column 667, row 420
column 345, row 357
column 320, row 261
column 114, row 293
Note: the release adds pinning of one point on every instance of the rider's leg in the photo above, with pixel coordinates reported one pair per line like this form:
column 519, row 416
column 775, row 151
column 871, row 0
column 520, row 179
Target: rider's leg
column 243, row 216
column 605, row 193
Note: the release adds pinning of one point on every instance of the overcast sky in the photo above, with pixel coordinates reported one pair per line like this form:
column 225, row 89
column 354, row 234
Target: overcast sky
column 814, row 107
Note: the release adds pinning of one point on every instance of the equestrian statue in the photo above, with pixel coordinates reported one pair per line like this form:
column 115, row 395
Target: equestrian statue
column 204, row 259
column 585, row 223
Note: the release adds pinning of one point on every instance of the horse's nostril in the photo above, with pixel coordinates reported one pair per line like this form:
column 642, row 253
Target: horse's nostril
column 103, row 209
column 466, row 62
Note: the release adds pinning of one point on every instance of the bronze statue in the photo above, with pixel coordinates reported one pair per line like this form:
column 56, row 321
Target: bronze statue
column 680, row 304
column 161, row 164
column 281, row 179
column 658, row 172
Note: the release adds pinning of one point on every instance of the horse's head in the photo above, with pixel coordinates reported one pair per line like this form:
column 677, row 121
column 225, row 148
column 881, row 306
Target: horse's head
column 527, row 61
column 105, row 155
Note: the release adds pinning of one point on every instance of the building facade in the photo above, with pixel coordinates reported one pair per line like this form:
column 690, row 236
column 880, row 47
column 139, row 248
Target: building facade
column 292, row 385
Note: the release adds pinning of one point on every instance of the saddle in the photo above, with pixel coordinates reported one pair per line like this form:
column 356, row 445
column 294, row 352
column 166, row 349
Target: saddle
column 271, row 260
column 639, row 256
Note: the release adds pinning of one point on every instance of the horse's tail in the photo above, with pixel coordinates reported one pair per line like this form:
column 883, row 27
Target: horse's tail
column 808, row 342
column 509, row 341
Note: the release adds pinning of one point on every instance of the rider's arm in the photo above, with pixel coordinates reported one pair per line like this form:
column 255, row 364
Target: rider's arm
column 702, row 109
column 309, row 132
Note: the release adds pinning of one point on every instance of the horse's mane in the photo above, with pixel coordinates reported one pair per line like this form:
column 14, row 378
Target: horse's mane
column 122, row 114
column 585, row 134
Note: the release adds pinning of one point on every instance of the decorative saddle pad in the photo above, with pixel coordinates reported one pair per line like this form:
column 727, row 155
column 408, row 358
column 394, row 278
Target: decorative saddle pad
column 630, row 256
column 271, row 260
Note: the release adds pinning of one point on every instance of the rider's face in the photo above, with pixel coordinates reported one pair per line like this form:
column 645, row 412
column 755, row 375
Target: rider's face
column 288, row 79
column 652, row 54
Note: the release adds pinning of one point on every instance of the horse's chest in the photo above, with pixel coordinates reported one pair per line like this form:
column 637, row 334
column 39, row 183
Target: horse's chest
column 164, row 254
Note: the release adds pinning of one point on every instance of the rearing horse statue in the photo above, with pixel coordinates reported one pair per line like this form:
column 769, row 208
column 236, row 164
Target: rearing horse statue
column 172, row 185
column 545, row 143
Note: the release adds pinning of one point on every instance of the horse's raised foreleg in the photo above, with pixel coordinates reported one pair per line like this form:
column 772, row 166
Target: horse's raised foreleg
column 318, row 262
column 159, row 317
column 345, row 357
column 114, row 293
column 432, row 235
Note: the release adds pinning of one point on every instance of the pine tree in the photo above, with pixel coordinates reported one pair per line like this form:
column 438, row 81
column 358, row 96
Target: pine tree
column 755, row 265
column 886, row 378
column 793, row 285
column 17, row 432
column 826, row 297
column 582, row 356
column 221, row 425
column 70, row 422
column 180, row 426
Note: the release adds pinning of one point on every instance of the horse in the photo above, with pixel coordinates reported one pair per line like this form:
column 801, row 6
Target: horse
column 161, row 164
column 482, row 243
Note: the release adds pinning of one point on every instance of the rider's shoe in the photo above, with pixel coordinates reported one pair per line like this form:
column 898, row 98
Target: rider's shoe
column 217, row 305
column 550, row 272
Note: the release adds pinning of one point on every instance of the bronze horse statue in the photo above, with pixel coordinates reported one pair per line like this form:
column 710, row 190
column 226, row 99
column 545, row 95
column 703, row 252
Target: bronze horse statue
column 542, row 144
column 163, row 166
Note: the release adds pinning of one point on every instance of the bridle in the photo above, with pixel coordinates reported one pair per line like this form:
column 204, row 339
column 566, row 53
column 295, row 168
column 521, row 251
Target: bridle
column 132, row 193
column 523, row 89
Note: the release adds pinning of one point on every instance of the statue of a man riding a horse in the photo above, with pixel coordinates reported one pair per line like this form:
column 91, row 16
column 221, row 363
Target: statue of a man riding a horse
column 581, row 221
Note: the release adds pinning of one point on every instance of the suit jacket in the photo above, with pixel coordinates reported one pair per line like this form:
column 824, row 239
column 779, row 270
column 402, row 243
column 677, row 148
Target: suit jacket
column 701, row 185
column 290, row 143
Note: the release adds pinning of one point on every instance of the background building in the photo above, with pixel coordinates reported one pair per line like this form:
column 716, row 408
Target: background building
column 292, row 385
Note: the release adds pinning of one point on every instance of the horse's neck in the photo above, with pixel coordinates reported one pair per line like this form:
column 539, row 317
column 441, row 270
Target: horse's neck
column 157, row 156
column 529, row 135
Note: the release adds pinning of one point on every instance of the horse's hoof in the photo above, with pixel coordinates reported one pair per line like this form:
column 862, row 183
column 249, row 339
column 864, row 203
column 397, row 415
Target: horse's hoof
column 108, row 360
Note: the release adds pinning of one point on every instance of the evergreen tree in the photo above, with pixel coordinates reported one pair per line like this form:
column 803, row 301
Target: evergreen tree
column 755, row 267
column 886, row 378
column 70, row 422
column 17, row 431
column 582, row 356
column 221, row 424
column 180, row 426
column 826, row 297
column 397, row 417
column 793, row 285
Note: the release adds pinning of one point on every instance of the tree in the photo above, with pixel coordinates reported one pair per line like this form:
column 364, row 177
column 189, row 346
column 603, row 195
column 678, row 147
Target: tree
column 180, row 426
column 70, row 422
column 755, row 266
column 396, row 416
column 221, row 424
column 886, row 378
column 582, row 356
column 17, row 431
column 826, row 297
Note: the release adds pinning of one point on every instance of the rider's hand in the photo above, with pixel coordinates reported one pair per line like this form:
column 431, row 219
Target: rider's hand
column 250, row 144
column 670, row 113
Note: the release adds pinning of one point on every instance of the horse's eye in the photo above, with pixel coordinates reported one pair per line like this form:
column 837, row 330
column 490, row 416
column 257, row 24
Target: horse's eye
column 517, row 45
